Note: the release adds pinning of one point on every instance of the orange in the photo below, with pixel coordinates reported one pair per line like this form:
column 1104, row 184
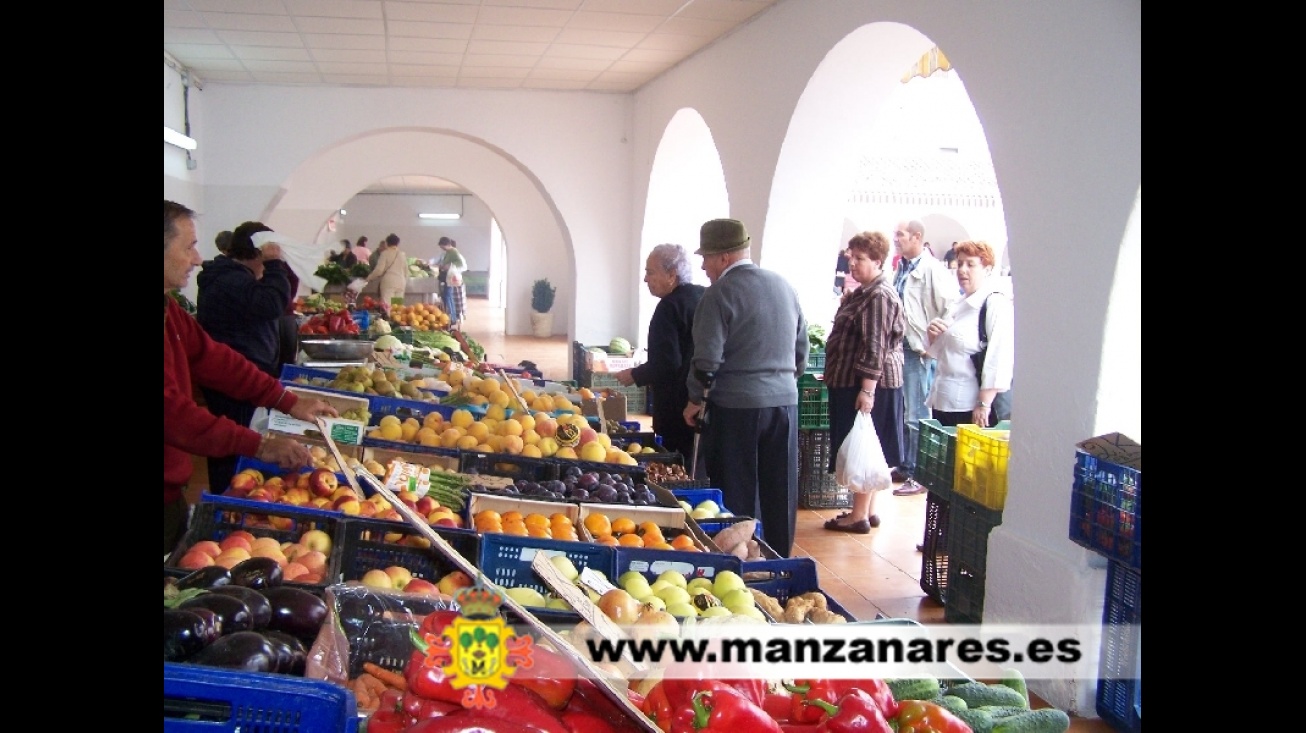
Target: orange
column 536, row 521
column 650, row 531
column 598, row 524
column 567, row 533
column 539, row 532
column 683, row 542
column 488, row 514
column 660, row 546
column 512, row 516
column 623, row 525
column 559, row 518
column 606, row 539
column 630, row 539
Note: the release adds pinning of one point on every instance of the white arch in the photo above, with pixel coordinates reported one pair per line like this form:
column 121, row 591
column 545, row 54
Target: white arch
column 538, row 238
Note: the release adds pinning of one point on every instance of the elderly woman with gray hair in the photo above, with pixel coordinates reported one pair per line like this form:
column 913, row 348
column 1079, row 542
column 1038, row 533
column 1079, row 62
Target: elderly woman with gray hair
column 670, row 345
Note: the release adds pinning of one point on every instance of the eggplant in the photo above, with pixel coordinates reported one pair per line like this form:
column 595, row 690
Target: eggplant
column 212, row 623
column 257, row 573
column 184, row 634
column 260, row 608
column 292, row 655
column 206, row 578
column 233, row 613
column 247, row 651
column 296, row 612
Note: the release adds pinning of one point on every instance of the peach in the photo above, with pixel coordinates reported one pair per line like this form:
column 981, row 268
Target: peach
column 313, row 560
column 452, row 520
column 311, row 578
column 588, row 435
column 293, row 570
column 425, row 505
column 194, row 560
column 208, row 547
column 236, row 540
column 266, row 542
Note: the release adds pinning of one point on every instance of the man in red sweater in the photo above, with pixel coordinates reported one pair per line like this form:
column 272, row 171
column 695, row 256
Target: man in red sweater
column 190, row 357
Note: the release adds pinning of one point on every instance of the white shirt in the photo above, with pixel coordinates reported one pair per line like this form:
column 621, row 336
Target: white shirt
column 955, row 387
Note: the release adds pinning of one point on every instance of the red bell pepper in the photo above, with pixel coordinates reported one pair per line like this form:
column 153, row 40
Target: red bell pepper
column 920, row 716
column 388, row 721
column 550, row 675
column 856, row 712
column 579, row 721
column 808, row 690
column 779, row 704
column 466, row 721
column 436, row 621
column 724, row 709
column 788, row 726
column 523, row 707
column 588, row 698
column 657, row 707
column 421, row 708
column 429, row 681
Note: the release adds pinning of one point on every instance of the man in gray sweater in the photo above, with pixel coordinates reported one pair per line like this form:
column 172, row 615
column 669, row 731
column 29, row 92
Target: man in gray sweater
column 749, row 332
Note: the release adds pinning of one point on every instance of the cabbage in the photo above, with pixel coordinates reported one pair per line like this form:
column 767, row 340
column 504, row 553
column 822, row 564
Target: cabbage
column 620, row 345
column 387, row 342
column 379, row 326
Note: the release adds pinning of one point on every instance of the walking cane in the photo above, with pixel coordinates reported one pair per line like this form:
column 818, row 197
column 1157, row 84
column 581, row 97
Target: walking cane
column 700, row 420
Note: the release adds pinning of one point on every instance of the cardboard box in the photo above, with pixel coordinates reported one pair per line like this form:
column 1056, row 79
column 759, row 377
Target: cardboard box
column 607, row 362
column 343, row 432
column 1116, row 448
column 614, row 406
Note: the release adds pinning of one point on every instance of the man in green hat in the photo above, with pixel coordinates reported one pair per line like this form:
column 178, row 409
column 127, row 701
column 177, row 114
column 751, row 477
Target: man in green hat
column 751, row 337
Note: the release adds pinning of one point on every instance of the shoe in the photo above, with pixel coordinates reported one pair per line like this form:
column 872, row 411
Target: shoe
column 899, row 475
column 920, row 548
column 873, row 520
column 909, row 488
column 862, row 526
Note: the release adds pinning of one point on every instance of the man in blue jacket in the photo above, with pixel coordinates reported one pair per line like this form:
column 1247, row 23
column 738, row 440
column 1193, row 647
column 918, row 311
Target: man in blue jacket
column 751, row 337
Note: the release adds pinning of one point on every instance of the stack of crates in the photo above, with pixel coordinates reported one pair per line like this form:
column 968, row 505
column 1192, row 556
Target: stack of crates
column 636, row 397
column 816, row 486
column 935, row 451
column 813, row 403
column 976, row 498
column 1106, row 516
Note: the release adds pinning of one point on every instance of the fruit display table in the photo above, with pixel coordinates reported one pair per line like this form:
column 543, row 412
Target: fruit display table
column 419, row 290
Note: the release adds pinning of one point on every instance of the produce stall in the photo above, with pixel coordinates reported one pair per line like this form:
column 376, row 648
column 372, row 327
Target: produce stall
column 319, row 598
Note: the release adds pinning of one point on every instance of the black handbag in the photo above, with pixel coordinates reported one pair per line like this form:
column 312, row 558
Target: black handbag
column 1002, row 402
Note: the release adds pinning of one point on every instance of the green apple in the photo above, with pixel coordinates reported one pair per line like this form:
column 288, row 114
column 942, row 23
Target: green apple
column 673, row 595
column 699, row 583
column 685, row 505
column 638, row 587
column 726, row 581
column 566, row 567
column 681, row 610
column 753, row 613
column 674, row 578
column 659, row 585
column 527, row 596
column 625, row 577
column 700, row 513
column 712, row 611
column 737, row 599
column 708, row 505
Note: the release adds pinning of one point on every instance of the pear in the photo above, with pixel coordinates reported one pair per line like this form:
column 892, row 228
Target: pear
column 674, row 578
column 565, row 566
column 726, row 581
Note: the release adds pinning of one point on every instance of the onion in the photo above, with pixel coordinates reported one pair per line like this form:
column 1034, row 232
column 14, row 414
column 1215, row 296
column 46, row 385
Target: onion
column 656, row 624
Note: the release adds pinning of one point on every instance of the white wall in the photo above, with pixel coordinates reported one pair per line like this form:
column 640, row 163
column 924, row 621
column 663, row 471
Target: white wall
column 1057, row 87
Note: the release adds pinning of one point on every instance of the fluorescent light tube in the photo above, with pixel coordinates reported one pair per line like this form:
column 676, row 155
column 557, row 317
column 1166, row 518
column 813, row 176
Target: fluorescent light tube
column 439, row 216
column 176, row 138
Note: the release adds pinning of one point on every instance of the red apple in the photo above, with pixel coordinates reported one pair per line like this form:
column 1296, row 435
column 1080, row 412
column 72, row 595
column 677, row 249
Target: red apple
column 451, row 582
column 323, row 482
column 423, row 586
column 347, row 504
column 425, row 505
column 316, row 539
column 246, row 480
column 450, row 521
column 235, row 540
column 407, row 496
column 259, row 494
column 378, row 578
column 399, row 575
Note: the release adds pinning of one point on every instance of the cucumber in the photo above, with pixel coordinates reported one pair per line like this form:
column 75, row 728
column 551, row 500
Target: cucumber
column 951, row 703
column 1015, row 680
column 914, row 688
column 979, row 720
column 979, row 694
column 1045, row 720
column 998, row 712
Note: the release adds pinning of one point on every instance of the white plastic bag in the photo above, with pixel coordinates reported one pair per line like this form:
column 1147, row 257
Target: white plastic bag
column 860, row 466
column 356, row 285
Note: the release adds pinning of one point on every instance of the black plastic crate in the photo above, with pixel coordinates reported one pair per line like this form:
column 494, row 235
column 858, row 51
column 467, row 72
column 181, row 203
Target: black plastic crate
column 813, row 403
column 509, row 465
column 1120, row 678
column 969, row 525
column 375, row 544
column 816, row 486
column 934, row 550
column 637, row 473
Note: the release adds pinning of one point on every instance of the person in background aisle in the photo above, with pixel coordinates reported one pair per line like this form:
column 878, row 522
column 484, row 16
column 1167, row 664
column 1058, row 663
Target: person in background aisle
column 960, row 395
column 750, row 334
column 223, row 241
column 950, row 257
column 926, row 289
column 347, row 257
column 863, row 368
column 361, row 252
column 844, row 281
column 670, row 345
column 390, row 270
column 192, row 358
column 240, row 302
column 288, row 323
column 452, row 266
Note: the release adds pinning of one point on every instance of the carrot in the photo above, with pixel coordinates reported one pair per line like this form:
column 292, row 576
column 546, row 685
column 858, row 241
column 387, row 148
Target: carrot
column 363, row 696
column 391, row 679
column 375, row 686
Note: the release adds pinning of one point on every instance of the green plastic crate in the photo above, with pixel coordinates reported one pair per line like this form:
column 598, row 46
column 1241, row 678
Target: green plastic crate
column 969, row 525
column 813, row 403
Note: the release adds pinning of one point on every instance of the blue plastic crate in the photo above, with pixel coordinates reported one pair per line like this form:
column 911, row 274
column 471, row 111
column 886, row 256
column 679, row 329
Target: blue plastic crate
column 652, row 563
column 694, row 497
column 784, row 578
column 362, row 318
column 291, row 372
column 1120, row 700
column 271, row 469
column 215, row 517
column 508, row 465
column 209, row 699
column 712, row 527
column 506, row 559
column 1106, row 509
column 375, row 544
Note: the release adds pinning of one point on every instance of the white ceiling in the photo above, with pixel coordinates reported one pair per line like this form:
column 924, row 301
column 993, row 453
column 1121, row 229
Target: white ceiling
column 593, row 45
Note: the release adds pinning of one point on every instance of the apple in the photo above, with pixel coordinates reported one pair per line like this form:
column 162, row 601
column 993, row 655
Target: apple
column 292, row 571
column 194, row 560
column 266, row 543
column 422, row 586
column 316, row 539
column 378, row 578
column 407, row 496
column 322, row 482
column 309, row 579
column 452, row 520
column 297, row 496
column 342, row 491
column 246, row 481
column 347, row 504
column 276, row 482
column 259, row 494
column 314, row 560
column 400, row 576
column 208, row 547
column 425, row 505
column 381, row 502
column 366, row 509
column 588, row 435
column 451, row 582
column 321, row 502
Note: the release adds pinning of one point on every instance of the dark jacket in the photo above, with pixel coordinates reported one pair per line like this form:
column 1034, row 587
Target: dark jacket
column 670, row 347
column 242, row 312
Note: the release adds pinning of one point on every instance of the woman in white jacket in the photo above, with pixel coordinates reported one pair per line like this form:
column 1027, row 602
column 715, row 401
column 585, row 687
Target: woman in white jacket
column 392, row 271
column 961, row 394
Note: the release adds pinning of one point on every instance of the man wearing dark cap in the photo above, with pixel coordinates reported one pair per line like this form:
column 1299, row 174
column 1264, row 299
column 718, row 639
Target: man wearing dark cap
column 750, row 335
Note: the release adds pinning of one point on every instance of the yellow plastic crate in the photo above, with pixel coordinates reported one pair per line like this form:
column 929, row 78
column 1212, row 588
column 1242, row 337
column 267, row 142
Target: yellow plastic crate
column 980, row 473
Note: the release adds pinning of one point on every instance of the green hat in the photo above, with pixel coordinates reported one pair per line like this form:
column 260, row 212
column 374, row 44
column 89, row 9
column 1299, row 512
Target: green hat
column 721, row 235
